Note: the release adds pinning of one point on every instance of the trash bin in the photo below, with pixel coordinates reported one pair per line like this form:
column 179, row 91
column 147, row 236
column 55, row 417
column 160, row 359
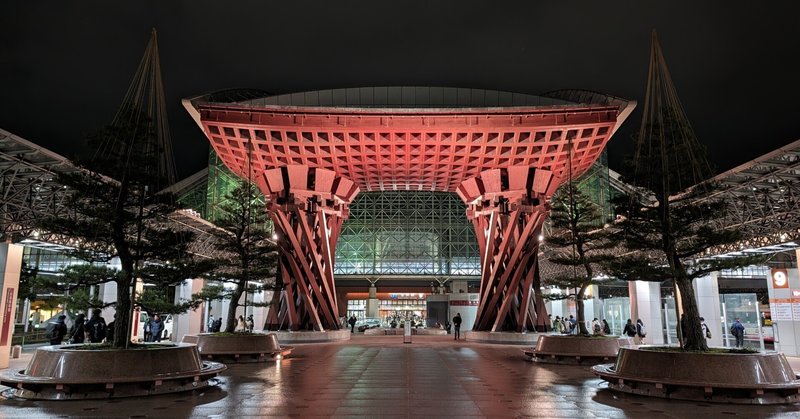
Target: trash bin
column 16, row 350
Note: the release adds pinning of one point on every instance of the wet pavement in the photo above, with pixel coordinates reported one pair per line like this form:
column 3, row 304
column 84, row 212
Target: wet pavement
column 379, row 376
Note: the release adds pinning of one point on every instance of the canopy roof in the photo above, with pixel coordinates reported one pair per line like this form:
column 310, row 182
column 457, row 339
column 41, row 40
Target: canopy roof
column 410, row 138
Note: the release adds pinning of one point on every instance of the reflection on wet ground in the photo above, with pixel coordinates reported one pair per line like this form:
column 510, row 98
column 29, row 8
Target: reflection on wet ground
column 379, row 376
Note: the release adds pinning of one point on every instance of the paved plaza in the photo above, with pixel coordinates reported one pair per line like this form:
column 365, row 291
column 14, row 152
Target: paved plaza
column 373, row 376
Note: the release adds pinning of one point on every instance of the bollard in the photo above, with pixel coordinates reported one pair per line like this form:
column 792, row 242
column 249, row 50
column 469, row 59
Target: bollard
column 407, row 333
column 16, row 350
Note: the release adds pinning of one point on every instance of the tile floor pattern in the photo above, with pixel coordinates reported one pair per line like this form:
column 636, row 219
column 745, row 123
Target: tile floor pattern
column 383, row 378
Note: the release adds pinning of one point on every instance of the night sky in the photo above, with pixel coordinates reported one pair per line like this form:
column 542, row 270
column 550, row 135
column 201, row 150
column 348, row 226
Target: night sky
column 65, row 66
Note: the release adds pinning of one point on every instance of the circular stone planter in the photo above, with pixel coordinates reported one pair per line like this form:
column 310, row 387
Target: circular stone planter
column 502, row 338
column 238, row 347
column 571, row 349
column 759, row 378
column 63, row 372
column 312, row 336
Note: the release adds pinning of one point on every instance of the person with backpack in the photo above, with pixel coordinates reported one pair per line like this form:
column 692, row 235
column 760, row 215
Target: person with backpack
column 596, row 328
column 249, row 323
column 56, row 330
column 641, row 332
column 629, row 330
column 737, row 330
column 156, row 327
column 706, row 330
column 77, row 333
column 96, row 327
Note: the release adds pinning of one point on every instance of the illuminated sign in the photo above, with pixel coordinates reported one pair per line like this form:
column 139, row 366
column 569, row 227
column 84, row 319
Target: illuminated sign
column 779, row 278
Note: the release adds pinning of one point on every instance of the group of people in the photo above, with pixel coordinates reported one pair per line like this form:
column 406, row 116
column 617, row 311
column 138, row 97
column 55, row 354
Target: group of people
column 242, row 324
column 638, row 332
column 569, row 326
column 95, row 330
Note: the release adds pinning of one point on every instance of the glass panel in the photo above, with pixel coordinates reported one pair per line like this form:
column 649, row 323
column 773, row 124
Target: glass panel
column 617, row 312
column 745, row 307
column 669, row 322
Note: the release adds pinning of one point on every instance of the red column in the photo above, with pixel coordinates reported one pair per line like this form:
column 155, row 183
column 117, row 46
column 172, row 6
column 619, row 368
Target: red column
column 507, row 208
column 307, row 207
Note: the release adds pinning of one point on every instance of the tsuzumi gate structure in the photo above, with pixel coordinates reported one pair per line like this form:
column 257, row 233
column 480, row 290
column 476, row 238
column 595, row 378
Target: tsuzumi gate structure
column 504, row 154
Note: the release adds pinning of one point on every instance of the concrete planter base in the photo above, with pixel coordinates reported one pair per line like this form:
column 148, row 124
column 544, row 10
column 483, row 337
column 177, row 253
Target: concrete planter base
column 503, row 338
column 238, row 347
column 761, row 378
column 62, row 372
column 312, row 336
column 565, row 349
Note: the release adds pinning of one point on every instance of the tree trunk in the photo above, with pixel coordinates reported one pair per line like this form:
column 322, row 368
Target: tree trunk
column 579, row 311
column 122, row 319
column 230, row 322
column 693, row 339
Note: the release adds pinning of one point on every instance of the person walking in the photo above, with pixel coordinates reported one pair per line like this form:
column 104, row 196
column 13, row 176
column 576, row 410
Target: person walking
column 210, row 323
column 641, row 332
column 77, row 333
column 629, row 330
column 606, row 328
column 737, row 330
column 56, row 330
column 96, row 327
column 706, row 330
column 156, row 328
column 457, row 326
column 572, row 324
column 352, row 322
column 249, row 323
column 240, row 324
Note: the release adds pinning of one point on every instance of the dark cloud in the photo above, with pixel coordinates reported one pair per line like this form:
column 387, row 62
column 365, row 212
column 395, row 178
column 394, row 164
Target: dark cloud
column 65, row 66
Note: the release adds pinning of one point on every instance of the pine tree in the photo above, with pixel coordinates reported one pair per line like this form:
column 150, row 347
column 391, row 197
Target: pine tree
column 245, row 236
column 581, row 241
column 125, row 219
column 665, row 222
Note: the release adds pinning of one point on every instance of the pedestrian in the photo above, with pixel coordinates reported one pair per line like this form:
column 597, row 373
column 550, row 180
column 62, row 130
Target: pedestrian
column 572, row 324
column 352, row 323
column 210, row 323
column 606, row 328
column 217, row 325
column 96, row 327
column 156, row 328
column 240, row 324
column 56, row 330
column 684, row 327
column 596, row 328
column 249, row 323
column 629, row 330
column 148, row 337
column 110, row 330
column 564, row 326
column 641, row 332
column 557, row 325
column 737, row 330
column 706, row 330
column 457, row 325
column 77, row 333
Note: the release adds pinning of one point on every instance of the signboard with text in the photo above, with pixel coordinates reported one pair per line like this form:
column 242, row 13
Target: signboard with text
column 8, row 308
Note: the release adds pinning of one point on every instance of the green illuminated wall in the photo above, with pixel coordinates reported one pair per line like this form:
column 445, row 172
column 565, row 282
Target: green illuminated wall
column 407, row 233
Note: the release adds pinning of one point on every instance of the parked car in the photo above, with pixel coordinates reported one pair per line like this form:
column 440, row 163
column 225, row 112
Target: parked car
column 368, row 323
